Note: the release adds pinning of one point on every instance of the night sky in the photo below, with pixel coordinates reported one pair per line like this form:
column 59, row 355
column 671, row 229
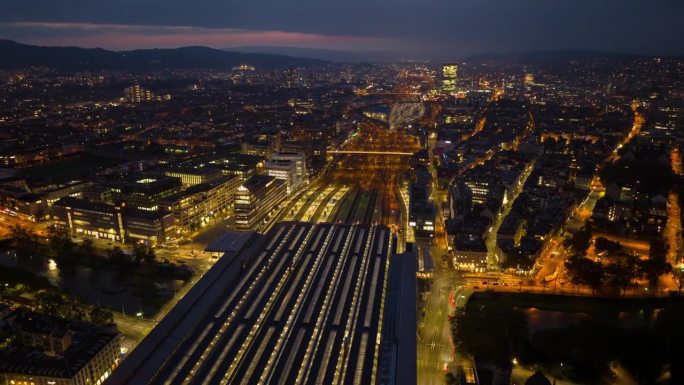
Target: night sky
column 427, row 28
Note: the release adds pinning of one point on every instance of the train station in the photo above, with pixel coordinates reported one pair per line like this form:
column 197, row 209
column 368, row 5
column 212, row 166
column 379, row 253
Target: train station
column 304, row 304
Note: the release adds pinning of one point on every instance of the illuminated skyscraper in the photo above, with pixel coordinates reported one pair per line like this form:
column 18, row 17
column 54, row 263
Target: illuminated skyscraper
column 449, row 77
column 137, row 94
column 290, row 76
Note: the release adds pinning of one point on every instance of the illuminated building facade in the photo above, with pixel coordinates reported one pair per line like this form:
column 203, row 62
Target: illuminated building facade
column 421, row 211
column 262, row 148
column 449, row 77
column 115, row 223
column 470, row 254
column 529, row 79
column 137, row 94
column 284, row 170
column 142, row 193
column 298, row 157
column 256, row 198
column 479, row 189
column 197, row 205
column 194, row 176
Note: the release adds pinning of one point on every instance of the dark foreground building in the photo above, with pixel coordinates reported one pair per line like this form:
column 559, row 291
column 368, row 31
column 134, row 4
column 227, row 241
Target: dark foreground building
column 305, row 304
column 42, row 350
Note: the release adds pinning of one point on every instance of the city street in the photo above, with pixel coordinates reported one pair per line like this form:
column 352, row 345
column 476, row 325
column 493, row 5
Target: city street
column 436, row 354
column 7, row 221
column 673, row 229
column 494, row 259
column 255, row 193
column 639, row 121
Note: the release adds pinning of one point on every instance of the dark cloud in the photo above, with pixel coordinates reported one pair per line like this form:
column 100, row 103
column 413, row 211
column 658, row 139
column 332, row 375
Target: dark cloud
column 442, row 27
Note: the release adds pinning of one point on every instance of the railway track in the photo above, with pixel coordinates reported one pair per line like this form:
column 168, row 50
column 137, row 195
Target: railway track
column 370, row 207
column 342, row 213
column 307, row 203
column 323, row 207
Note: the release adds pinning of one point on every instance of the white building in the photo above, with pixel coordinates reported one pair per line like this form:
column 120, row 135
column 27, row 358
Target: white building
column 299, row 158
column 284, row 170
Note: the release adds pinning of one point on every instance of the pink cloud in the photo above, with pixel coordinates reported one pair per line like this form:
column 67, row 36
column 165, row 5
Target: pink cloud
column 116, row 36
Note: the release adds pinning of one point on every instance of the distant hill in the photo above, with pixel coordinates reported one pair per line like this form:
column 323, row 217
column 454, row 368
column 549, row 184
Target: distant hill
column 340, row 56
column 15, row 55
column 548, row 57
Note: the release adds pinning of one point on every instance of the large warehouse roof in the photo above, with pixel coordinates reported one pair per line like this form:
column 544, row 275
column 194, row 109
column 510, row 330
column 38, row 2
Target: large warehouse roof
column 305, row 304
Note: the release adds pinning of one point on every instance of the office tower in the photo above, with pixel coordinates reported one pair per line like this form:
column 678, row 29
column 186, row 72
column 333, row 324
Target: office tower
column 449, row 77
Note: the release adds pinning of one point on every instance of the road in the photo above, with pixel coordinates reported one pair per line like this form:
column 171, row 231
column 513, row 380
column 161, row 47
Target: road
column 494, row 259
column 584, row 210
column 639, row 121
column 673, row 228
column 7, row 221
column 436, row 353
column 551, row 262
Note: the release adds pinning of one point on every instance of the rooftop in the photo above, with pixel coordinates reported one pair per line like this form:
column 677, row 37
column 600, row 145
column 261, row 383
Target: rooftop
column 257, row 182
column 230, row 242
column 303, row 302
column 87, row 341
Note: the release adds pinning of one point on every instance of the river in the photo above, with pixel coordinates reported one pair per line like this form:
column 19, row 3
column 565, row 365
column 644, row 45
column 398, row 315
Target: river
column 550, row 319
column 102, row 286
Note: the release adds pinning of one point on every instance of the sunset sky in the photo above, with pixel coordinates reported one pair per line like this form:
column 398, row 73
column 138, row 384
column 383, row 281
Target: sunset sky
column 419, row 27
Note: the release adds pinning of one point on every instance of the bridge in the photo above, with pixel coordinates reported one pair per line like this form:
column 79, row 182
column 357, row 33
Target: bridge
column 371, row 152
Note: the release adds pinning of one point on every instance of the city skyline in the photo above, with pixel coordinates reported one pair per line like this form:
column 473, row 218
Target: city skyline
column 431, row 29
column 352, row 198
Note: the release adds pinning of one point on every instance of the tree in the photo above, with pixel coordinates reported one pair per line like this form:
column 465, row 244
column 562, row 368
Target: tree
column 652, row 269
column 87, row 248
column 618, row 275
column 656, row 264
column 117, row 256
column 584, row 271
column 73, row 310
column 60, row 242
column 22, row 237
column 595, row 274
column 52, row 230
column 101, row 316
column 49, row 302
column 20, row 234
column 573, row 268
column 579, row 241
column 538, row 378
column 657, row 249
column 678, row 274
column 143, row 253
column 644, row 168
column 631, row 262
